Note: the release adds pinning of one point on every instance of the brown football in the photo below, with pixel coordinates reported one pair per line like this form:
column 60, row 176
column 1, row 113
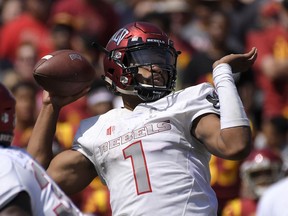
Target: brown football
column 64, row 72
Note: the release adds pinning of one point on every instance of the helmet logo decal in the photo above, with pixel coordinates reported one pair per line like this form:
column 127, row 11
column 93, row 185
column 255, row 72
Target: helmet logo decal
column 136, row 39
column 155, row 41
column 214, row 99
column 75, row 56
column 119, row 35
column 124, row 80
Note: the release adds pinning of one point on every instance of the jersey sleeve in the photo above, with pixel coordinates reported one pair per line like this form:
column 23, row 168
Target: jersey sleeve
column 196, row 101
column 10, row 182
column 82, row 136
column 204, row 101
column 84, row 140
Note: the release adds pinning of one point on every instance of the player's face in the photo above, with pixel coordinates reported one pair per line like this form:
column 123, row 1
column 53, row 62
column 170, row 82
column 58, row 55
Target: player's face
column 153, row 63
column 152, row 75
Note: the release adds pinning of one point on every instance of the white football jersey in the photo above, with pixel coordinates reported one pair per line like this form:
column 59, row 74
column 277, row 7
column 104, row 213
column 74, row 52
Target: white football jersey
column 19, row 172
column 148, row 158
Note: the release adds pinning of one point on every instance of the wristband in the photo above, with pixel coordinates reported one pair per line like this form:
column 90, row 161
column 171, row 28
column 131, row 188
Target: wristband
column 232, row 112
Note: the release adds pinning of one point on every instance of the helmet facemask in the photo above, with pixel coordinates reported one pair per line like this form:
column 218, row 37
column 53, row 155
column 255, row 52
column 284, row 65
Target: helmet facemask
column 148, row 56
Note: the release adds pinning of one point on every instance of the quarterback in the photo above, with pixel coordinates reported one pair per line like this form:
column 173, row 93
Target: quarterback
column 153, row 153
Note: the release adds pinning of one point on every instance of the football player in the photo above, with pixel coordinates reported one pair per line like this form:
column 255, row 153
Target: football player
column 274, row 200
column 259, row 170
column 153, row 153
column 25, row 187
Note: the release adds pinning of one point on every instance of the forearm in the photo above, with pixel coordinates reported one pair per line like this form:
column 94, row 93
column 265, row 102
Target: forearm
column 235, row 132
column 40, row 143
column 231, row 108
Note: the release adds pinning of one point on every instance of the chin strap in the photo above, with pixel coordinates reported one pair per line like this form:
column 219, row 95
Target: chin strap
column 150, row 95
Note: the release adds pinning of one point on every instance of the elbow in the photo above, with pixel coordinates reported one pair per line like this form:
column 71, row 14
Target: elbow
column 43, row 160
column 241, row 152
column 239, row 145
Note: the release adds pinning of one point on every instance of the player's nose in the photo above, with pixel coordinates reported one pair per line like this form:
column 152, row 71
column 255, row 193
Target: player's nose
column 155, row 68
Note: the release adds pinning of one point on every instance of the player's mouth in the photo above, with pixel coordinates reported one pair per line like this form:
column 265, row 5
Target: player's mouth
column 158, row 79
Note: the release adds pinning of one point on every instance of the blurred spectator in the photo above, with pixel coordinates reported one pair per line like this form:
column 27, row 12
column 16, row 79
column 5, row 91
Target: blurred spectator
column 199, row 68
column 274, row 135
column 271, row 66
column 96, row 199
column 196, row 31
column 22, row 68
column 10, row 9
column 143, row 8
column 9, row 78
column 26, row 112
column 26, row 58
column 63, row 30
column 99, row 99
column 96, row 18
column 225, row 180
column 25, row 96
column 82, row 43
column 171, row 16
column 30, row 26
column 258, row 171
column 268, row 14
column 90, row 21
column 244, row 16
column 274, row 200
column 125, row 9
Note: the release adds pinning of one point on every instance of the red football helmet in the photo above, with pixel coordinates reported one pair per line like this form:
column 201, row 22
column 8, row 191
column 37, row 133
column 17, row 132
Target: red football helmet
column 260, row 169
column 139, row 44
column 7, row 112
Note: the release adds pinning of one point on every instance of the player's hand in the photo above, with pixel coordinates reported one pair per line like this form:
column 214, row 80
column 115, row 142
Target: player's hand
column 60, row 101
column 239, row 62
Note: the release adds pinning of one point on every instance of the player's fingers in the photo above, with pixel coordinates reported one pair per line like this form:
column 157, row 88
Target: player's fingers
column 46, row 97
column 252, row 54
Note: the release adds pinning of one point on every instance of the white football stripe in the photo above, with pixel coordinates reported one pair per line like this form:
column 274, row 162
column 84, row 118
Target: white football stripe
column 47, row 57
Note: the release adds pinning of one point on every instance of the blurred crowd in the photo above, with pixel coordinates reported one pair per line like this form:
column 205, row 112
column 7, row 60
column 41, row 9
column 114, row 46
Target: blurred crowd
column 204, row 31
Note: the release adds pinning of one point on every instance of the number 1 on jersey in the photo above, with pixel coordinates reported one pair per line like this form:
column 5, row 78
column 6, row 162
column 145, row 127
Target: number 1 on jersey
column 140, row 170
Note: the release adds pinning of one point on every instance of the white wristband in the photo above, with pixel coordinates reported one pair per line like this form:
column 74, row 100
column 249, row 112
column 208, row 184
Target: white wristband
column 232, row 113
